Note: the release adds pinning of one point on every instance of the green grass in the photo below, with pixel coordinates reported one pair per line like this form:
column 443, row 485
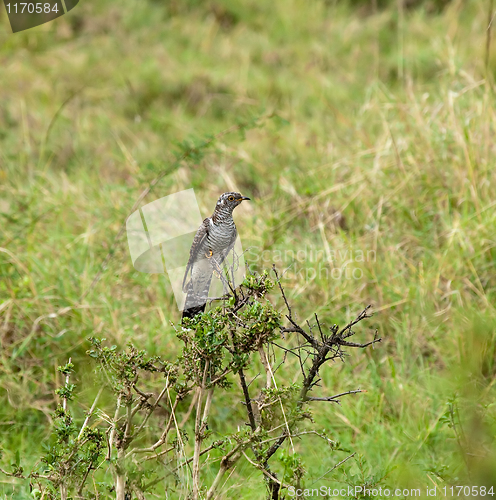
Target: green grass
column 388, row 119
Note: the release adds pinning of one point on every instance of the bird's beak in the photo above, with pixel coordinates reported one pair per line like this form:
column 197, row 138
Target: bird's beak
column 244, row 198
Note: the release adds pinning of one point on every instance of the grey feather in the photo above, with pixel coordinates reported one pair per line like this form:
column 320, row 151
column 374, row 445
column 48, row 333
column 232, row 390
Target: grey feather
column 212, row 243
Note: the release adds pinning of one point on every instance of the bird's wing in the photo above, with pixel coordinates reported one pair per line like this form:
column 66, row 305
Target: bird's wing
column 198, row 241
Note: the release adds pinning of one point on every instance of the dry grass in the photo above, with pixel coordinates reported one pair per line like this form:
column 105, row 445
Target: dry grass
column 395, row 137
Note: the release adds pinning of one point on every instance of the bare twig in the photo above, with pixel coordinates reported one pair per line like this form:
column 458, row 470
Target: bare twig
column 90, row 413
column 206, row 450
column 334, row 399
column 114, row 425
column 335, row 467
column 199, row 425
column 264, row 471
column 226, row 463
column 163, row 437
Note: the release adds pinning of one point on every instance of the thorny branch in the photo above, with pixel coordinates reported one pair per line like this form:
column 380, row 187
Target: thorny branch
column 239, row 339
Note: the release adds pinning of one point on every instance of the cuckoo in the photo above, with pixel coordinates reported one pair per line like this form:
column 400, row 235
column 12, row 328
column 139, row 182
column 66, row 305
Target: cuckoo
column 214, row 239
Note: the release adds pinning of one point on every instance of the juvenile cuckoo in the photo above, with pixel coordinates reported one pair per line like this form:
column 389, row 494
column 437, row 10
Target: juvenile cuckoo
column 213, row 241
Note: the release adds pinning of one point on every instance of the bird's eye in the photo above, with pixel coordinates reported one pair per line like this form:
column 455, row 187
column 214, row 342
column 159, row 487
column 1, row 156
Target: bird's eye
column 231, row 198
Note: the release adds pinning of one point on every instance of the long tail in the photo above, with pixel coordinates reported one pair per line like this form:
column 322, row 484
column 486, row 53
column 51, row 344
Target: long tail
column 195, row 302
column 191, row 312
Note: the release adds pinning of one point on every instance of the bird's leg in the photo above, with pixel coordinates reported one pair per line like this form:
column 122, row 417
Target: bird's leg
column 216, row 269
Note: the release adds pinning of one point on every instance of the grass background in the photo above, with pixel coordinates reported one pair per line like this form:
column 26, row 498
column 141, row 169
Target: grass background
column 374, row 133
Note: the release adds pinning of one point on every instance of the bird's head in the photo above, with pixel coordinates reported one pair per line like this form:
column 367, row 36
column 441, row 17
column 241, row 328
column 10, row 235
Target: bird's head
column 230, row 200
